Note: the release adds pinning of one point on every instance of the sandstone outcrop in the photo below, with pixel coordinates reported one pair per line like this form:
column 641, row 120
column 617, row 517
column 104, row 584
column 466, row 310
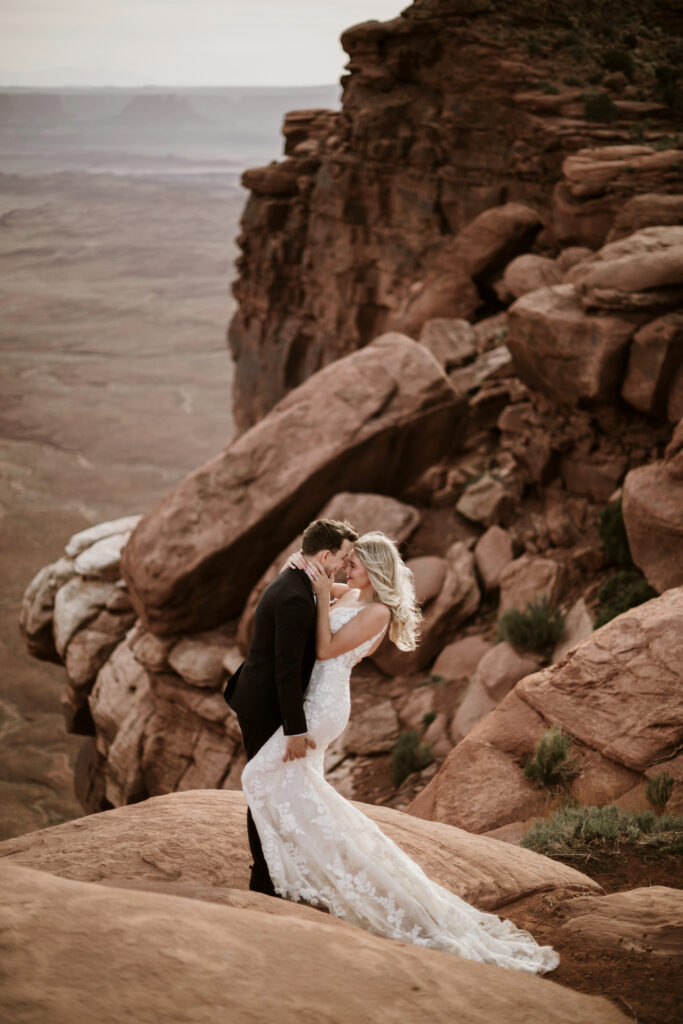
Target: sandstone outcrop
column 444, row 119
column 618, row 694
column 598, row 183
column 200, row 837
column 60, row 949
column 377, row 417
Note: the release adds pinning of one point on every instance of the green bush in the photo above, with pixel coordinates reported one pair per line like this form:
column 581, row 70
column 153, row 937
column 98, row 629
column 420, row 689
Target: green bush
column 409, row 755
column 584, row 831
column 624, row 590
column 659, row 790
column 428, row 717
column 619, row 60
column 550, row 88
column 598, row 106
column 537, row 628
column 552, row 764
column 668, row 90
column 612, row 533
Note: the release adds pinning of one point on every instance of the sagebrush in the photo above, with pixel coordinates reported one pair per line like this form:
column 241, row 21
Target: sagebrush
column 537, row 628
column 409, row 755
column 552, row 764
column 591, row 831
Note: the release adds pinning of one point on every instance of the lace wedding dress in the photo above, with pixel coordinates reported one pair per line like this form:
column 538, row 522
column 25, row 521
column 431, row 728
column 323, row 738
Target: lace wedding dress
column 322, row 850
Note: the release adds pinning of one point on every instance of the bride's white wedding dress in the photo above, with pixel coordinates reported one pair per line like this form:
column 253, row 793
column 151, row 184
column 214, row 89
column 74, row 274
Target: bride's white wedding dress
column 322, row 850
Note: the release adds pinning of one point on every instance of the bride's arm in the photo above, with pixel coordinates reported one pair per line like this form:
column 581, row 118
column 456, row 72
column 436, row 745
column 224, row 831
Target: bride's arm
column 366, row 624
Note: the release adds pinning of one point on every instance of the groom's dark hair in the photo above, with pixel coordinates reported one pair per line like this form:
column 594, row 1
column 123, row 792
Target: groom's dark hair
column 326, row 535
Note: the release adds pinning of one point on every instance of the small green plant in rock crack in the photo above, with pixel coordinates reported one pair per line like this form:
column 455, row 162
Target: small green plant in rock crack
column 658, row 790
column 409, row 755
column 428, row 718
column 552, row 764
column 537, row 628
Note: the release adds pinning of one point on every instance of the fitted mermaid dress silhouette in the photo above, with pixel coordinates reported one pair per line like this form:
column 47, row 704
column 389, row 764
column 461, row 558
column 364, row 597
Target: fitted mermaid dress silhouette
column 322, row 850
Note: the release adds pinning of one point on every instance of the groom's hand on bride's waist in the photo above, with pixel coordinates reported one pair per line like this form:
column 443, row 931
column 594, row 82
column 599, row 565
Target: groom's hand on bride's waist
column 297, row 746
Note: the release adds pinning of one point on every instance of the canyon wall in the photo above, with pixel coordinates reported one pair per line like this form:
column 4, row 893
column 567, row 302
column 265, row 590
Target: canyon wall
column 452, row 108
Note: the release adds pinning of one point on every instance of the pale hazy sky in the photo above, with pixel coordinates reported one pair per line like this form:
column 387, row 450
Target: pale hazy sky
column 179, row 42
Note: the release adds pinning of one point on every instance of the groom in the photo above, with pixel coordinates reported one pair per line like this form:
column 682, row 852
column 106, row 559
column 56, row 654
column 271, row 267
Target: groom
column 267, row 690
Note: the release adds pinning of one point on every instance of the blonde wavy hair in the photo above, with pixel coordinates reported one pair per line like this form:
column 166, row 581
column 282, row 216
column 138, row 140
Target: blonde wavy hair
column 392, row 582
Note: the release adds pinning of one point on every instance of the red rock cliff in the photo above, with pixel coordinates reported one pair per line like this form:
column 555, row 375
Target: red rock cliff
column 449, row 109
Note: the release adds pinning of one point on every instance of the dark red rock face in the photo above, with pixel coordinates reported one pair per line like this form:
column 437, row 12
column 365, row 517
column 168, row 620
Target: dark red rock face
column 447, row 111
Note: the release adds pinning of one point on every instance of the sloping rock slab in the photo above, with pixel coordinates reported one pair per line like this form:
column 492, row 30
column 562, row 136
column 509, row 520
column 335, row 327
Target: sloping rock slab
column 643, row 920
column 370, row 421
column 200, row 837
column 145, row 956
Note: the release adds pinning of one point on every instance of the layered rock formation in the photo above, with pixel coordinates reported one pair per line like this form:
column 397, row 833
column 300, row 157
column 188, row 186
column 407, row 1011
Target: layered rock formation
column 448, row 110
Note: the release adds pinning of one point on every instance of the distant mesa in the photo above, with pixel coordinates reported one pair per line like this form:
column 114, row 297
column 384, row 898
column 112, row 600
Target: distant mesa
column 167, row 109
column 32, row 106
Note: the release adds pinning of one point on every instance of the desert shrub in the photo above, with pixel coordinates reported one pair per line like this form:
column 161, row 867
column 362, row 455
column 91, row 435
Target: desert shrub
column 612, row 533
column 550, row 88
column 586, row 831
column 552, row 764
column 630, row 40
column 668, row 88
column 577, row 52
column 571, row 80
column 534, row 48
column 619, row 60
column 659, row 790
column 428, row 717
column 598, row 106
column 624, row 590
column 409, row 755
column 537, row 628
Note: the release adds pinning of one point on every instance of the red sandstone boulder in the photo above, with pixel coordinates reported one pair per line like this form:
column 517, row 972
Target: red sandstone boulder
column 564, row 352
column 493, row 238
column 451, row 342
column 443, row 295
column 655, row 355
column 529, row 272
column 487, row 500
column 653, row 516
column 527, row 578
column 493, row 552
column 376, row 417
column 495, row 676
column 459, row 660
column 644, row 211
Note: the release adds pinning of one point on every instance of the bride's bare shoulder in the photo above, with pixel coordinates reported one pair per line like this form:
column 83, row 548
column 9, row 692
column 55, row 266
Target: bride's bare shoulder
column 338, row 590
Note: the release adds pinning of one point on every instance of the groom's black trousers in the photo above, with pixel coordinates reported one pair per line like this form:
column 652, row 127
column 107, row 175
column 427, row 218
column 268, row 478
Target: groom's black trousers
column 254, row 735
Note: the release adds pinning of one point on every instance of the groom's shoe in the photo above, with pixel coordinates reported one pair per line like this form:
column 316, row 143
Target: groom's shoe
column 260, row 882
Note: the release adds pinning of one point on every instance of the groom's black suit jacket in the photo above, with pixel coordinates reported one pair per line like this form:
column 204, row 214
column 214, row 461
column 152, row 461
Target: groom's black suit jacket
column 269, row 686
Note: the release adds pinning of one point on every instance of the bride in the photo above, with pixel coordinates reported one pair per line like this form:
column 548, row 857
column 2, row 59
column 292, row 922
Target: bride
column 322, row 850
